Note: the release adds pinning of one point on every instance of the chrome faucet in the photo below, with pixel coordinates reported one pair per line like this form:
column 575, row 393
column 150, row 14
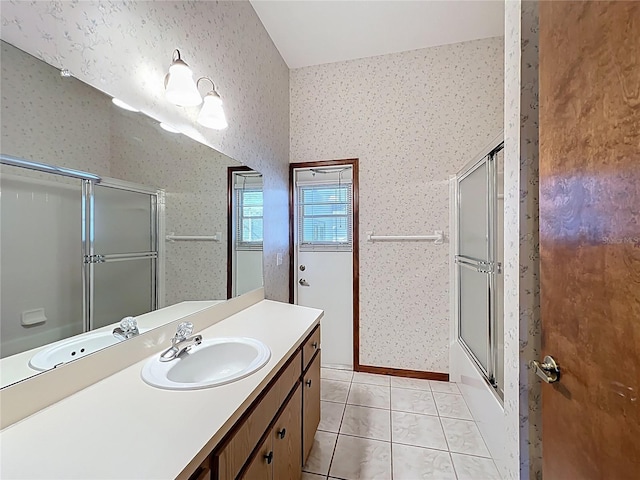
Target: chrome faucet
column 181, row 342
column 128, row 328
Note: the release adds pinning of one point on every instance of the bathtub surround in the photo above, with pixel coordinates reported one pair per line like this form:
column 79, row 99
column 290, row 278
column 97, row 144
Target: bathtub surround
column 226, row 40
column 389, row 111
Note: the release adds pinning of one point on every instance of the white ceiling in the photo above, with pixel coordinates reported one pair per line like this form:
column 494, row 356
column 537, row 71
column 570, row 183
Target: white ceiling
column 312, row 32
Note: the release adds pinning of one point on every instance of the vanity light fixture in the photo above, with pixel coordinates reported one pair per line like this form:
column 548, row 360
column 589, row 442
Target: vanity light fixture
column 180, row 89
column 212, row 114
column 121, row 104
column 168, row 128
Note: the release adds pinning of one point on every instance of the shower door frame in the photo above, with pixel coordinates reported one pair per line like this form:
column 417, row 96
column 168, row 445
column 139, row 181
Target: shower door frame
column 89, row 256
column 488, row 155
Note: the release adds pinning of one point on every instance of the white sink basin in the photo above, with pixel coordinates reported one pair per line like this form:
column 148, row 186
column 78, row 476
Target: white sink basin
column 72, row 349
column 213, row 362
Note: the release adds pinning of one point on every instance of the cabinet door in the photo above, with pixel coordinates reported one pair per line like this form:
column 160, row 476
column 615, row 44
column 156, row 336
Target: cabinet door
column 310, row 406
column 287, row 440
column 261, row 467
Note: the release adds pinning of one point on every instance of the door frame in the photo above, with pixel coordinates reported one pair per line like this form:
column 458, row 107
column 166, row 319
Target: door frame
column 355, row 252
column 230, row 226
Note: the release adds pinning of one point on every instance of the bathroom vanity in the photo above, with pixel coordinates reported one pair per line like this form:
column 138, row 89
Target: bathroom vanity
column 258, row 427
column 275, row 435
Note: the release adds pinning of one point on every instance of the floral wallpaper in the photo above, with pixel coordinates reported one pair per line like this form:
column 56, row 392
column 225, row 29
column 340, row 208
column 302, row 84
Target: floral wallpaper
column 413, row 119
column 194, row 178
column 522, row 284
column 124, row 49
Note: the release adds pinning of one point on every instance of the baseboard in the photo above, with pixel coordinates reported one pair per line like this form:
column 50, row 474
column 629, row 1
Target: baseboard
column 399, row 372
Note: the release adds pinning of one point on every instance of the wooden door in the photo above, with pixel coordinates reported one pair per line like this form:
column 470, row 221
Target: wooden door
column 590, row 237
column 261, row 467
column 310, row 406
column 287, row 440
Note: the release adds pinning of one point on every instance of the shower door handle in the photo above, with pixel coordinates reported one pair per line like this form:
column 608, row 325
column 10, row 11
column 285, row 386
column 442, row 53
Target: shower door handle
column 549, row 371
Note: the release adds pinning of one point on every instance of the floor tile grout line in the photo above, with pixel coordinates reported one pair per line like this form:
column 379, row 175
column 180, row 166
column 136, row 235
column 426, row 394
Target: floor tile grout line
column 453, row 465
column 335, row 447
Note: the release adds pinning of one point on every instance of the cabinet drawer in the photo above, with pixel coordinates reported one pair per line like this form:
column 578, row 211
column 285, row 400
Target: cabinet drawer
column 310, row 347
column 237, row 449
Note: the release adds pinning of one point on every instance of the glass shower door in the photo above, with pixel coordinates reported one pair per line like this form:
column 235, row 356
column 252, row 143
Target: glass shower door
column 474, row 263
column 124, row 253
column 479, row 260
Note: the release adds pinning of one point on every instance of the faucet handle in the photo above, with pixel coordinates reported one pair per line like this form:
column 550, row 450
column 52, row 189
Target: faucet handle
column 184, row 330
column 128, row 324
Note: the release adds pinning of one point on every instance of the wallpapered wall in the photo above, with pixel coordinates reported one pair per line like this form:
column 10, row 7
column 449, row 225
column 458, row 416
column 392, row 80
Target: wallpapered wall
column 124, row 49
column 413, row 119
column 194, row 178
column 521, row 256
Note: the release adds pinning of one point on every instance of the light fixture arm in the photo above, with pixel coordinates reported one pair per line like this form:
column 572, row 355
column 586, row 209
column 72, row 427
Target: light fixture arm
column 212, row 84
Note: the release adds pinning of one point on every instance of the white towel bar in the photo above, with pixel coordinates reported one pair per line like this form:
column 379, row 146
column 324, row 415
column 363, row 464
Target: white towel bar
column 437, row 238
column 194, row 238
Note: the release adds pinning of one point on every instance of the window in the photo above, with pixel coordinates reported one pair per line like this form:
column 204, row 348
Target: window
column 325, row 216
column 249, row 215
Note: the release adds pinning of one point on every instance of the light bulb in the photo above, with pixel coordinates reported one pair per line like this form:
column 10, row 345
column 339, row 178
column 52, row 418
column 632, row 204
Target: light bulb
column 181, row 90
column 121, row 104
column 212, row 114
column 168, row 128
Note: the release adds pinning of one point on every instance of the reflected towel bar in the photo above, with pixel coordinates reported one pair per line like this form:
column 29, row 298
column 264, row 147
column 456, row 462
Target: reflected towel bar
column 194, row 238
column 437, row 238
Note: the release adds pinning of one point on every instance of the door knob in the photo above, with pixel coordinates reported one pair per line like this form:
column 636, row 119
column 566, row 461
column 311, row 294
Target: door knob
column 549, row 371
column 303, row 282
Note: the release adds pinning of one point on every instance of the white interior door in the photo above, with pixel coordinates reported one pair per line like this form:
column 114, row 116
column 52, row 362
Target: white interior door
column 324, row 256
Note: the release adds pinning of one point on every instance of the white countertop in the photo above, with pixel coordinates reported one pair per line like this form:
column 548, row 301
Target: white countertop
column 123, row 428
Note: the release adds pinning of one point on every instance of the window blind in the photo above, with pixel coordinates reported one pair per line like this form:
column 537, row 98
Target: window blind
column 325, row 216
column 249, row 225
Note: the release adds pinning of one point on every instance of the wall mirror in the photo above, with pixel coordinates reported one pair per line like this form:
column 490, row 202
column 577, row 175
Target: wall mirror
column 105, row 215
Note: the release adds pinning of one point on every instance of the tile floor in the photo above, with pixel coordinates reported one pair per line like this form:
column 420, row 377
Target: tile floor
column 380, row 427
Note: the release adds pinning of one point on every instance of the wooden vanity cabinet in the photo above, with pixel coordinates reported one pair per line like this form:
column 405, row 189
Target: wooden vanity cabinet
column 278, row 457
column 287, row 440
column 275, row 435
column 310, row 405
column 261, row 467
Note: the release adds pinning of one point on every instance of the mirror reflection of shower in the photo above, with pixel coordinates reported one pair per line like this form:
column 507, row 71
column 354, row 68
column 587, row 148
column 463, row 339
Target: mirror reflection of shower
column 78, row 252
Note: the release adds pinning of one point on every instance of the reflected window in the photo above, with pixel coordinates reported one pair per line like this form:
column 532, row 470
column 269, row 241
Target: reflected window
column 249, row 213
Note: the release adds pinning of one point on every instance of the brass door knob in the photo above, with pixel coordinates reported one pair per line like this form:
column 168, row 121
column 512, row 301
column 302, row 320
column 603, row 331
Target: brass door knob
column 549, row 370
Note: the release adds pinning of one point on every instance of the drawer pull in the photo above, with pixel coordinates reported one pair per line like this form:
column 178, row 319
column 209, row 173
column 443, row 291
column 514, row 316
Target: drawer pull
column 269, row 458
column 308, row 382
column 315, row 345
column 282, row 433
